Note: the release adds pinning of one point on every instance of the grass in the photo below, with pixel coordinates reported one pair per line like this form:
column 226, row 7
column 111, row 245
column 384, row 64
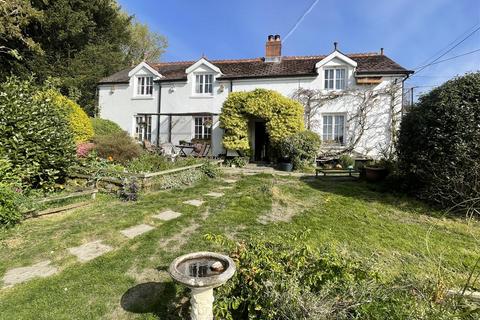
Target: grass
column 398, row 234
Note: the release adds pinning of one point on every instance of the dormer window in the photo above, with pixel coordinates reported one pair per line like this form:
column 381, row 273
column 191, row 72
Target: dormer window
column 144, row 86
column 204, row 83
column 335, row 78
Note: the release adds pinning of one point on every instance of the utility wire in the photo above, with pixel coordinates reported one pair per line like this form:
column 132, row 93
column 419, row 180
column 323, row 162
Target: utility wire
column 449, row 50
column 295, row 26
column 451, row 58
column 448, row 45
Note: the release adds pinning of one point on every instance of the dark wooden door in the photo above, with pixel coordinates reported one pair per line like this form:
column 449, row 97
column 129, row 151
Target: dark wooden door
column 261, row 142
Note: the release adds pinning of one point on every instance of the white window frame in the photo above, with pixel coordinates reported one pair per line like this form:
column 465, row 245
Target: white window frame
column 332, row 137
column 143, row 128
column 200, row 131
column 332, row 80
column 203, row 83
column 143, row 86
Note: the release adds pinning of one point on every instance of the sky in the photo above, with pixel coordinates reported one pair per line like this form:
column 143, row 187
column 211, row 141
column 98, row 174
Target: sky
column 413, row 32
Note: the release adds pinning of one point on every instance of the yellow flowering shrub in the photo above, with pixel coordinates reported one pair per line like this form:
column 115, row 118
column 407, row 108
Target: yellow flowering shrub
column 283, row 116
column 78, row 120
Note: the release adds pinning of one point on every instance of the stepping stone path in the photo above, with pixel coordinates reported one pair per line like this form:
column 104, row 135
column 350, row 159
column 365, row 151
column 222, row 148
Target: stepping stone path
column 89, row 251
column 167, row 215
column 134, row 231
column 229, row 180
column 194, row 202
column 215, row 194
column 42, row 269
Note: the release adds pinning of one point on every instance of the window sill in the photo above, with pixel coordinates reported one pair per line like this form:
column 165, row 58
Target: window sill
column 142, row 98
column 207, row 96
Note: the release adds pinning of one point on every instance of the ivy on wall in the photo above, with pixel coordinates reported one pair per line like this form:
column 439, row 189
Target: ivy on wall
column 283, row 117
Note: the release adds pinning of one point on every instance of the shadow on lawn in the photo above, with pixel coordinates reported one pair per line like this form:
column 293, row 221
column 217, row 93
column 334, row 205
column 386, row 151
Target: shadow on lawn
column 359, row 189
column 149, row 297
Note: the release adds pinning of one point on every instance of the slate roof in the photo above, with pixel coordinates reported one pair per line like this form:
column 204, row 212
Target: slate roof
column 367, row 63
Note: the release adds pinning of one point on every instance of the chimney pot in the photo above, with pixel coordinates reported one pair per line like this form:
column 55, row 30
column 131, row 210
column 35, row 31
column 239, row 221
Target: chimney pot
column 335, row 44
column 270, row 37
column 381, row 51
column 277, row 37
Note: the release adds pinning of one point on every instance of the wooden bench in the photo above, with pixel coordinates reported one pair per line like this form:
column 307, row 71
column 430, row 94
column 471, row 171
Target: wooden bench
column 334, row 171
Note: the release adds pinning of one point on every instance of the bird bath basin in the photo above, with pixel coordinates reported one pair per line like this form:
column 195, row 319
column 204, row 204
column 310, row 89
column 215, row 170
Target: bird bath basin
column 201, row 272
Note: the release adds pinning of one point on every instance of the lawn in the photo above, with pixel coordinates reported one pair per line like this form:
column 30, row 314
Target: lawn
column 400, row 235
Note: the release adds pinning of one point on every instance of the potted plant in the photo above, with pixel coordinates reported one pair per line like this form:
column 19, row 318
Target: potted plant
column 285, row 164
column 376, row 171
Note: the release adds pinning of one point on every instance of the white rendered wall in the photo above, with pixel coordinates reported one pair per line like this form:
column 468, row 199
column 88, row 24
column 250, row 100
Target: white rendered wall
column 118, row 103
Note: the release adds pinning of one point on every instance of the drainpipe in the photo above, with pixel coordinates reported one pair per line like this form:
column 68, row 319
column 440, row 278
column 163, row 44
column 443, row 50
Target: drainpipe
column 159, row 108
column 231, row 86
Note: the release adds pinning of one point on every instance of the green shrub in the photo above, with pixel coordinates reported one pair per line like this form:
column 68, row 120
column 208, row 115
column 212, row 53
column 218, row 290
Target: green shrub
column 301, row 148
column 34, row 135
column 210, row 170
column 78, row 120
column 118, row 147
column 284, row 278
column 9, row 205
column 238, row 162
column 102, row 127
column 346, row 161
column 270, row 270
column 439, row 144
column 283, row 116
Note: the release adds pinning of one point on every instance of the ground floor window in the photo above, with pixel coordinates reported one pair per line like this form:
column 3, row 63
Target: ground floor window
column 203, row 127
column 334, row 128
column 143, row 128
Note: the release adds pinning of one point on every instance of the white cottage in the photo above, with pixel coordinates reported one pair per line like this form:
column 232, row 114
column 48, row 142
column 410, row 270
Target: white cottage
column 182, row 101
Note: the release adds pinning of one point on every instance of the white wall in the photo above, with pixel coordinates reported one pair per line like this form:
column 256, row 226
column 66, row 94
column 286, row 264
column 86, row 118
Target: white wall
column 117, row 103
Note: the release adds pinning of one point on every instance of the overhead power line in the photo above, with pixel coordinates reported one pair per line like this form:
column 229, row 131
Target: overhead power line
column 448, row 45
column 449, row 50
column 451, row 58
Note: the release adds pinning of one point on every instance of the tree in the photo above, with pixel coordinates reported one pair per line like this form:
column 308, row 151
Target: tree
column 144, row 44
column 439, row 145
column 16, row 15
column 82, row 41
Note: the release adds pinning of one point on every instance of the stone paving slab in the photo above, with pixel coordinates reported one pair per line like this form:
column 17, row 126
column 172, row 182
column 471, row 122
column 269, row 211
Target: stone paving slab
column 225, row 187
column 18, row 275
column 89, row 251
column 194, row 202
column 215, row 194
column 229, row 180
column 134, row 231
column 167, row 215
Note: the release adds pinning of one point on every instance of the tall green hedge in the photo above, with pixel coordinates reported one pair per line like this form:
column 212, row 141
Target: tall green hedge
column 35, row 137
column 439, row 144
column 283, row 116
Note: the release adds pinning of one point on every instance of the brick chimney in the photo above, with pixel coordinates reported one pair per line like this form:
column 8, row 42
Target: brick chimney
column 273, row 48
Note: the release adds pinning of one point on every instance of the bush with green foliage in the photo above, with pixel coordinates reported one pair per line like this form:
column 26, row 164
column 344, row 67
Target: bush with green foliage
column 9, row 207
column 284, row 278
column 301, row 148
column 283, row 117
column 35, row 137
column 119, row 147
column 103, row 127
column 78, row 120
column 346, row 161
column 439, row 144
column 210, row 169
column 238, row 162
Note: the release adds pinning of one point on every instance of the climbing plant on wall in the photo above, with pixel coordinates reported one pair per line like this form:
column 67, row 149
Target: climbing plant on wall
column 283, row 116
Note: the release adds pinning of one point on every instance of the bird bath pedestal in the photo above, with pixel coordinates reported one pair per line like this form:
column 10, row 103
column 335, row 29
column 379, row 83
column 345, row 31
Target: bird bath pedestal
column 201, row 272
